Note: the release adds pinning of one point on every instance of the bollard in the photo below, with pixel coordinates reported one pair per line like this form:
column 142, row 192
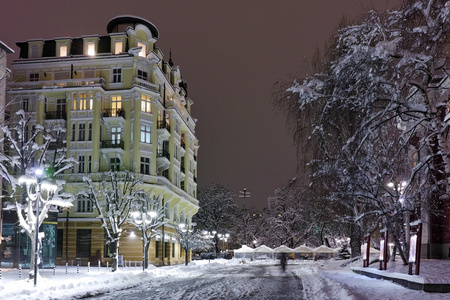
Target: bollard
column 20, row 271
column 54, row 270
column 89, row 266
column 99, row 264
column 67, row 266
column 0, row 274
column 107, row 266
column 78, row 268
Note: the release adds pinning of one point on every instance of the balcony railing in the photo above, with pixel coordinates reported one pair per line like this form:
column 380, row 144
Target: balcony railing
column 163, row 124
column 55, row 115
column 108, row 113
column 163, row 153
column 148, row 85
column 112, row 144
column 59, row 83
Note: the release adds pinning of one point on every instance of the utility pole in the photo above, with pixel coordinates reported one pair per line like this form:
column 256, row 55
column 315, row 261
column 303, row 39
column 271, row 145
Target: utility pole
column 245, row 194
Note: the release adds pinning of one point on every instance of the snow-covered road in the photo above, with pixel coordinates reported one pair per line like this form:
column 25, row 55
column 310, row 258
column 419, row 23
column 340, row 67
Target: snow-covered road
column 227, row 282
column 218, row 279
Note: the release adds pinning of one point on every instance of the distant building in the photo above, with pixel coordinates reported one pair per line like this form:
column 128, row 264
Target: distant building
column 4, row 74
column 124, row 108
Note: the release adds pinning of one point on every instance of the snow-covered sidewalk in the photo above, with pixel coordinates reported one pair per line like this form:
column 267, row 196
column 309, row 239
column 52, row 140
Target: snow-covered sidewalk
column 321, row 280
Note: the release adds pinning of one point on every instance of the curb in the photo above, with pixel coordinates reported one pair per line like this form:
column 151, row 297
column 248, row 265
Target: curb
column 426, row 287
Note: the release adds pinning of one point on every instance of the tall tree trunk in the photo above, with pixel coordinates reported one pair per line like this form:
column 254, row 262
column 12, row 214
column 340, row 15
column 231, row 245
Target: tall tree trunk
column 355, row 239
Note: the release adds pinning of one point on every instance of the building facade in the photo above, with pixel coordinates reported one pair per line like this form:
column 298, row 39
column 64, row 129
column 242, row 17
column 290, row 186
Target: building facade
column 124, row 108
column 4, row 74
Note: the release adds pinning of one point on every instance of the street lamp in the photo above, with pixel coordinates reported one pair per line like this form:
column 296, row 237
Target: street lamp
column 400, row 189
column 142, row 219
column 35, row 195
column 185, row 232
column 223, row 238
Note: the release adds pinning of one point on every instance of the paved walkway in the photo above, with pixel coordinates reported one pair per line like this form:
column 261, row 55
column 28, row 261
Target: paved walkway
column 434, row 275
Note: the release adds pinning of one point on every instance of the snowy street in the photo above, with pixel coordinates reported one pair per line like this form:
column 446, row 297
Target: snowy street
column 221, row 279
column 248, row 281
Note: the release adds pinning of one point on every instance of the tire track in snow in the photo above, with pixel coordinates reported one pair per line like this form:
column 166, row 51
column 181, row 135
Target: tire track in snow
column 318, row 286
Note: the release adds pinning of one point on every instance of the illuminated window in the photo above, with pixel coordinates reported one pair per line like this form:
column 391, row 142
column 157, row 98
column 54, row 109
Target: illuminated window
column 63, row 50
column 91, row 49
column 82, row 102
column 116, row 135
column 116, row 105
column 146, row 134
column 91, row 101
column 74, row 102
column 143, row 52
column 146, row 104
column 118, row 47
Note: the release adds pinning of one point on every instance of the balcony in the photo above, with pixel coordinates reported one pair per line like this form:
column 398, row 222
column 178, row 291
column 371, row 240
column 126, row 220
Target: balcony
column 162, row 159
column 113, row 113
column 112, row 144
column 55, row 115
column 163, row 130
column 51, row 84
column 163, row 153
column 147, row 85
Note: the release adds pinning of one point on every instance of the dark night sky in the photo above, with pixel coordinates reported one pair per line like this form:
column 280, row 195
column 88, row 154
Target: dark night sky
column 230, row 53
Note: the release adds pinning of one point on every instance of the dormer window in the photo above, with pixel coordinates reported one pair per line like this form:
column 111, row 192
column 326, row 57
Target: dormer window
column 118, row 46
column 143, row 52
column 91, row 49
column 90, row 45
column 62, row 50
column 63, row 47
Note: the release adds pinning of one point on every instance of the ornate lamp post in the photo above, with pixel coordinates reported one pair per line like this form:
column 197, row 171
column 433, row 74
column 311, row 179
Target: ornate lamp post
column 224, row 239
column 186, row 232
column 39, row 185
column 143, row 219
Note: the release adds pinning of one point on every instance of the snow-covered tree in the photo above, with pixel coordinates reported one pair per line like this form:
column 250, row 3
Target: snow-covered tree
column 112, row 194
column 217, row 210
column 380, row 106
column 191, row 239
column 147, row 215
column 28, row 146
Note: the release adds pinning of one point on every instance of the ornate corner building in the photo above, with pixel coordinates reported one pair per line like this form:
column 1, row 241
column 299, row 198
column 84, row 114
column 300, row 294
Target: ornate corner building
column 124, row 108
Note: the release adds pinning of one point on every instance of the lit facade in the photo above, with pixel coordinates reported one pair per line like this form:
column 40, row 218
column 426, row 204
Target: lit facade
column 124, row 108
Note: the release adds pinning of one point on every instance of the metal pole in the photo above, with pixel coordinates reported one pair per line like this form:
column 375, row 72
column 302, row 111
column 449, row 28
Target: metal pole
column 143, row 248
column 38, row 199
column 418, row 249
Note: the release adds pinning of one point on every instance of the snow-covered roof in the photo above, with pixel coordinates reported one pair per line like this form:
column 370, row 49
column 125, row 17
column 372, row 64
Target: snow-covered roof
column 6, row 48
column 303, row 249
column 283, row 249
column 263, row 248
column 324, row 249
column 244, row 249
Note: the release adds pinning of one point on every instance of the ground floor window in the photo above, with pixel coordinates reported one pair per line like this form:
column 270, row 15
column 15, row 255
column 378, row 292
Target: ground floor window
column 84, row 242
